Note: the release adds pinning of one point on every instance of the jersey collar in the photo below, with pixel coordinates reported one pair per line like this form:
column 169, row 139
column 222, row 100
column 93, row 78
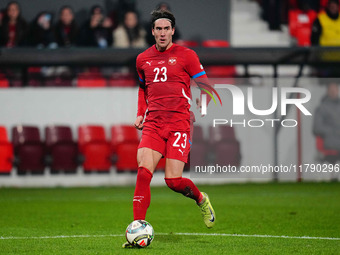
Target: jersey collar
column 162, row 52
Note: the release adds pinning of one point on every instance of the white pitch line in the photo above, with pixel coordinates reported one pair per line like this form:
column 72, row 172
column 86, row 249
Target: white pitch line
column 55, row 237
column 262, row 236
column 168, row 234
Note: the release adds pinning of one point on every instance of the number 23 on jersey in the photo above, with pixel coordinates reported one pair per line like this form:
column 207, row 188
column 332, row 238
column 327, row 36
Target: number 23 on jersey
column 160, row 74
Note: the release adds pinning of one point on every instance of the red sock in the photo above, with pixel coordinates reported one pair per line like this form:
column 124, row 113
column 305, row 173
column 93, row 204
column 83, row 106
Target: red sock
column 142, row 196
column 184, row 186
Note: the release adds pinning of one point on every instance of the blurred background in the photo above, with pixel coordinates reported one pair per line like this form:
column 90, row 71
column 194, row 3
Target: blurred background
column 68, row 86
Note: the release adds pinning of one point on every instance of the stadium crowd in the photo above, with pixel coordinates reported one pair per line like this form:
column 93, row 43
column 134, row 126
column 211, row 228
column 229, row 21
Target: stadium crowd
column 310, row 22
column 99, row 30
column 119, row 28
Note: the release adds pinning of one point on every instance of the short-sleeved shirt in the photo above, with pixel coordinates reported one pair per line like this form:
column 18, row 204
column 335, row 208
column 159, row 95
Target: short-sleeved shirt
column 166, row 77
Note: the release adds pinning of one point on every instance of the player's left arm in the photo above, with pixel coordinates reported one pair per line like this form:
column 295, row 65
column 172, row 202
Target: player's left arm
column 197, row 72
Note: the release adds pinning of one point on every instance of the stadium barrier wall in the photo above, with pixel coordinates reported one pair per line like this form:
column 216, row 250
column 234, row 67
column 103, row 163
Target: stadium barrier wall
column 113, row 106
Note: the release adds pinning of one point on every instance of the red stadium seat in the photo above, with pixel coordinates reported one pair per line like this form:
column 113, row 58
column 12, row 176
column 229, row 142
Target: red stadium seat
column 123, row 133
column 61, row 148
column 91, row 79
column 58, row 82
column 222, row 133
column 16, row 83
column 34, row 77
column 218, row 71
column 199, row 148
column 224, row 146
column 122, row 80
column 6, row 152
column 4, row 83
column 34, row 69
column 124, row 144
column 187, row 43
column 28, row 149
column 228, row 153
column 91, row 82
column 92, row 144
column 215, row 44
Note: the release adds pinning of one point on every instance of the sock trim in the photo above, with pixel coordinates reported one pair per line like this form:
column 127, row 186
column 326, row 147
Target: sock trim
column 147, row 170
column 175, row 178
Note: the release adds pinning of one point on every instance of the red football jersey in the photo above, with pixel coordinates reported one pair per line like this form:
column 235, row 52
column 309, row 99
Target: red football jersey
column 165, row 85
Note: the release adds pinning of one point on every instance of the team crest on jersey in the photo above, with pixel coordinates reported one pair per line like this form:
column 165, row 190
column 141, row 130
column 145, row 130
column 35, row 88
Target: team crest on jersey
column 172, row 61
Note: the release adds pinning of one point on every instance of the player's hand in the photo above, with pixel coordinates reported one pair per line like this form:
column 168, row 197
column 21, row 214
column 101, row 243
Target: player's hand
column 198, row 103
column 139, row 122
column 199, row 106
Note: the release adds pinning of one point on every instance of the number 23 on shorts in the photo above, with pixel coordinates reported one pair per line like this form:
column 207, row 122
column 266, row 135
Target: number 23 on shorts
column 180, row 142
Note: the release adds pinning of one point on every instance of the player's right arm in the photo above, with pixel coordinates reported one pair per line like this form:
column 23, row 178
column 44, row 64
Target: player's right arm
column 142, row 105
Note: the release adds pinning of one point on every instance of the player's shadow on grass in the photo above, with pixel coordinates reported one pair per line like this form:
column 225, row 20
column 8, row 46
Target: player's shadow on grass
column 172, row 238
column 169, row 238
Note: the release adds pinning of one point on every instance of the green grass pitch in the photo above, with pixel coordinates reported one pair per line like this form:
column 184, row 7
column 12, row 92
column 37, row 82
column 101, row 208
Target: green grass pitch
column 93, row 220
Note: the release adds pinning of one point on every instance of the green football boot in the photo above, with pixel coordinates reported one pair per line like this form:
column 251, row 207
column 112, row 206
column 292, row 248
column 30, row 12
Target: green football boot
column 207, row 211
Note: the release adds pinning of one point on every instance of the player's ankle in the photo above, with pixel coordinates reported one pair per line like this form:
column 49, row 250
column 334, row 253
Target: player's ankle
column 201, row 200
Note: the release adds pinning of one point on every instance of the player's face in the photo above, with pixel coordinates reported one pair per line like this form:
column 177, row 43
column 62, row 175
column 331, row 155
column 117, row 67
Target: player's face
column 163, row 33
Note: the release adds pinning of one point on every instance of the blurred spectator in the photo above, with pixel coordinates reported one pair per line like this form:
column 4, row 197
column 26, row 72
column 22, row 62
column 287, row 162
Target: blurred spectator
column 326, row 28
column 130, row 33
column 14, row 28
column 326, row 32
column 41, row 31
column 123, row 7
column 272, row 14
column 150, row 38
column 326, row 118
column 97, row 31
column 66, row 28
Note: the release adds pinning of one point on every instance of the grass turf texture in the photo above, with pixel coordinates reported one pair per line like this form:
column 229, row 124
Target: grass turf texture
column 289, row 209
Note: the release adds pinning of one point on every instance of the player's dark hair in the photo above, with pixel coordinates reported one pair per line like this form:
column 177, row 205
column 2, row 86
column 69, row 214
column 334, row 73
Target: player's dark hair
column 162, row 14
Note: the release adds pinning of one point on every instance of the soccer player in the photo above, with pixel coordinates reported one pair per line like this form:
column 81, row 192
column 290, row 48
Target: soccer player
column 164, row 71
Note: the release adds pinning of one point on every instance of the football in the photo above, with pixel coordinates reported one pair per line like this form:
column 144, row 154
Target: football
column 139, row 233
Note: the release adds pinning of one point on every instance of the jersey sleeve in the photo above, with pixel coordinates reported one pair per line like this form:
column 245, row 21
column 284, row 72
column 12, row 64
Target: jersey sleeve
column 193, row 65
column 140, row 71
column 142, row 105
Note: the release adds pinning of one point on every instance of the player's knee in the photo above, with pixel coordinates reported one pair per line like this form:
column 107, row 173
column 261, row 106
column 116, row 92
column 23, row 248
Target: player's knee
column 173, row 183
column 144, row 174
